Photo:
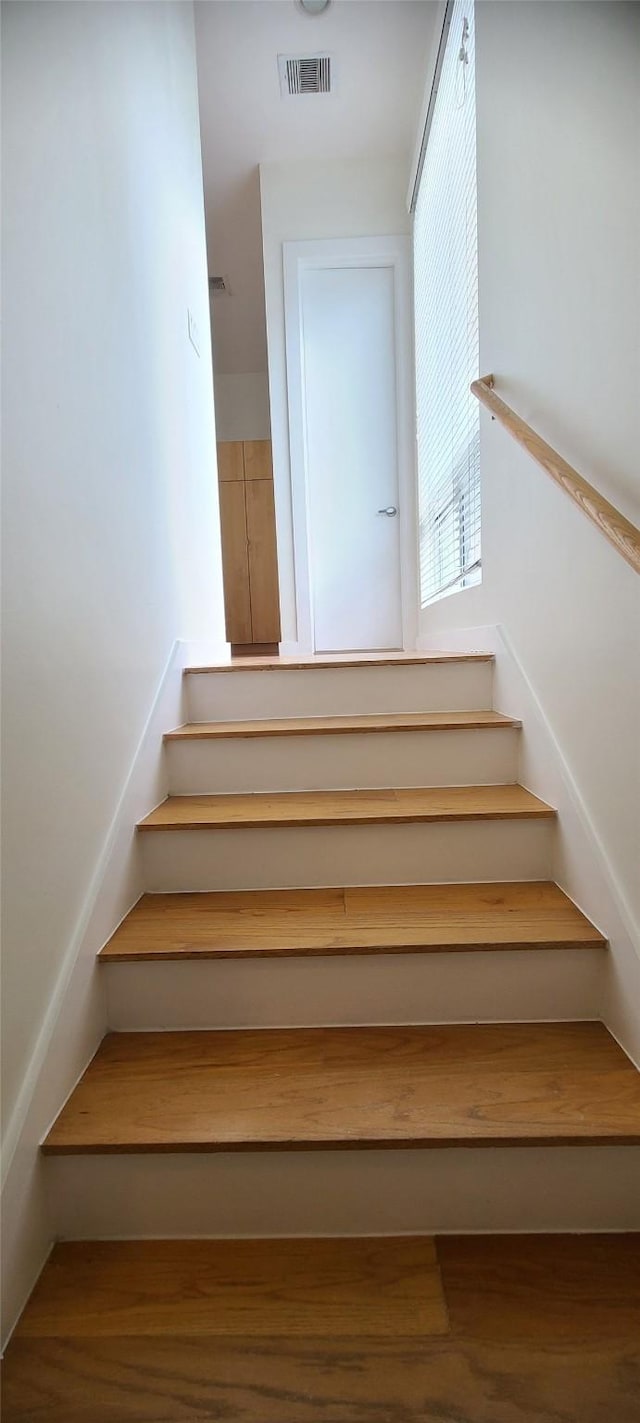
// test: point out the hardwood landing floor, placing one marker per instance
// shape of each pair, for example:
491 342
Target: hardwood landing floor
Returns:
475 1329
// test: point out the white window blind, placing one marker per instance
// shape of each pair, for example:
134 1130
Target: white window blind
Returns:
446 323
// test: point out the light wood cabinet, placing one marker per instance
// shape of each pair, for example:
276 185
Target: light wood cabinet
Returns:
231 462
235 562
249 555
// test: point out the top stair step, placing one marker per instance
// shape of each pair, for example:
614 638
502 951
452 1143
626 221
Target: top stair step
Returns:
347 685
391 919
340 659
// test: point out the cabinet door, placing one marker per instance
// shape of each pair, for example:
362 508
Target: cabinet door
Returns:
230 461
235 561
263 560
257 459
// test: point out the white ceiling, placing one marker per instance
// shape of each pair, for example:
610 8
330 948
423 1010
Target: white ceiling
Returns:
380 49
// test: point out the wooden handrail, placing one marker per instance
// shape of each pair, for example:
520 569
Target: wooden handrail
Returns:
620 531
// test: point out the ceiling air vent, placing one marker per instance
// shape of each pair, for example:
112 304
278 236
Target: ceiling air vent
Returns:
218 286
304 74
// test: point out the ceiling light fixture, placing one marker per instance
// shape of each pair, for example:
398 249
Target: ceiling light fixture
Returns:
312 7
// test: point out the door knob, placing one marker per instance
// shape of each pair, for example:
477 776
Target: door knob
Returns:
390 511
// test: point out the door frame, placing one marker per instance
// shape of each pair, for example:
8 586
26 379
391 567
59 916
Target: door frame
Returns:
301 257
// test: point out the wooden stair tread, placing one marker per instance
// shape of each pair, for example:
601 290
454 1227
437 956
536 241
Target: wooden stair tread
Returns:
352 807
328 725
462 1085
394 918
340 659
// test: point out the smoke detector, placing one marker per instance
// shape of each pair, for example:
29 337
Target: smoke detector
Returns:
305 74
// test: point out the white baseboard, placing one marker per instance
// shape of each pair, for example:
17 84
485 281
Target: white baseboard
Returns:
581 865
77 1017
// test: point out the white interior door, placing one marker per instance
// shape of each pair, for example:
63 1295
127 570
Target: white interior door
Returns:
349 416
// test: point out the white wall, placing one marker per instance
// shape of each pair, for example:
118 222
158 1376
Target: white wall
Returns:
314 200
110 504
242 406
559 236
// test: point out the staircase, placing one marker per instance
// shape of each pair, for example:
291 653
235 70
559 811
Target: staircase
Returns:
350 944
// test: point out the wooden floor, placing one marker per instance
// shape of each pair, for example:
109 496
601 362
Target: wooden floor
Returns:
508 1084
520 1329
284 809
395 918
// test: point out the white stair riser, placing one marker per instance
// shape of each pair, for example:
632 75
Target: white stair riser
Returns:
283 763
327 855
502 1189
509 985
339 691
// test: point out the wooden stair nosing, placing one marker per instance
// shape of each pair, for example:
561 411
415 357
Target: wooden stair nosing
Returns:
468 1085
293 809
394 919
345 725
338 660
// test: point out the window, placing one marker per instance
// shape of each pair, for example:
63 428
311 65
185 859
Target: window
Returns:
446 321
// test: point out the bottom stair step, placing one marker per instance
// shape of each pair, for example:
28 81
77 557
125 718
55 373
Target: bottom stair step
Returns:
335 1088
499 1329
350 920
239 1288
